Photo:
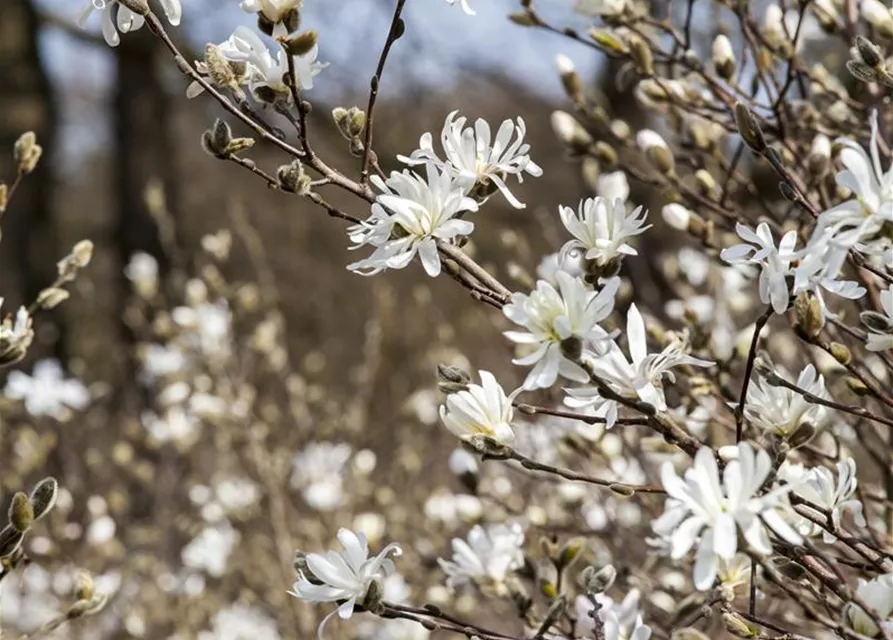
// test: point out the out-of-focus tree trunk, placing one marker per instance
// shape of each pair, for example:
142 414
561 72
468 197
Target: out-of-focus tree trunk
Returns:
28 252
144 155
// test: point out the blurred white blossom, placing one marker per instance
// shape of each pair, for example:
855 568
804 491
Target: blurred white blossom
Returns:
318 473
46 392
877 594
491 553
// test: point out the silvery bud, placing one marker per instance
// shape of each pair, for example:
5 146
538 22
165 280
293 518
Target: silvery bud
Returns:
26 152
570 80
877 14
773 27
749 128
293 179
451 379
217 139
43 497
51 297
868 52
656 150
819 159
598 581
723 57
10 540
676 215
350 122
738 626
570 132
302 43
21 513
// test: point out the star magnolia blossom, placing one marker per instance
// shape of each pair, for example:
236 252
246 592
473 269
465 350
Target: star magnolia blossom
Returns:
877 594
880 338
480 410
774 262
487 558
858 220
343 575
779 410
264 73
555 318
276 12
819 487
47 391
639 377
601 228
473 156
126 20
15 336
409 218
707 510
622 621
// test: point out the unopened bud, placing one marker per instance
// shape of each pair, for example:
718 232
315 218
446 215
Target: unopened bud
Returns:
676 215
878 15
4 196
302 43
869 52
738 626
656 150
216 140
706 184
841 353
622 490
21 513
84 587
51 297
293 179
608 41
749 128
642 56
451 379
524 19
723 57
43 497
606 154
570 80
26 152
598 581
569 553
570 132
804 432
787 567
875 321
809 315
857 386
819 160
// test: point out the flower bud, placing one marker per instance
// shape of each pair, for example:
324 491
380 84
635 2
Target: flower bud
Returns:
43 497
21 513
26 152
706 184
4 196
773 27
84 588
819 160
656 150
676 215
841 353
302 43
570 80
642 56
857 386
723 57
451 379
749 128
570 132
51 297
809 315
293 179
738 626
595 582
869 52
802 434
877 14
216 140
876 321
569 553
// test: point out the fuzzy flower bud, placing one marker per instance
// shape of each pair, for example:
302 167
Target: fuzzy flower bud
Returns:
27 152
723 57
819 159
656 150
570 132
676 215
570 80
877 14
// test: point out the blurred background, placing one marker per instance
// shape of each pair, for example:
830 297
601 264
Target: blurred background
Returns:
123 167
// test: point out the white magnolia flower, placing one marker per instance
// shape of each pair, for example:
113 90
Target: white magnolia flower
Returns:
779 410
877 594
46 391
862 218
640 377
601 228
266 75
142 271
410 217
775 263
482 409
707 510
344 575
210 550
612 186
878 339
318 473
605 8
473 156
820 265
819 487
279 13
464 4
15 335
487 558
207 328
554 319
118 18
622 620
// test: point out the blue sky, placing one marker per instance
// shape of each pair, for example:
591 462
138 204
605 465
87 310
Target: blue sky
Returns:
442 43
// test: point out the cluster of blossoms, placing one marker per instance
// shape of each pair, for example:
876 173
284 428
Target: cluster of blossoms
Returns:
414 213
